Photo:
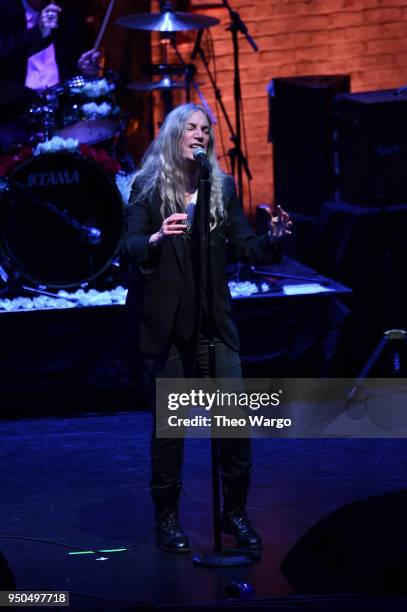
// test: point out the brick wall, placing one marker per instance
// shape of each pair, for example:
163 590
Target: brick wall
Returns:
365 38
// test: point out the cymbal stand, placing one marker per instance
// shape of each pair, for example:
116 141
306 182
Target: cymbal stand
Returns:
166 94
235 153
49 107
190 80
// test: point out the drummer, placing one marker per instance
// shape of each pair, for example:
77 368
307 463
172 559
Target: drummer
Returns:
40 44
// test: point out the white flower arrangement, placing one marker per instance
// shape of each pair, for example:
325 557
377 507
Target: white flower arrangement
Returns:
65 299
57 144
123 183
91 110
242 288
94 89
93 297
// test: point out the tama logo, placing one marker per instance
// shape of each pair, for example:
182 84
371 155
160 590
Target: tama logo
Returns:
61 177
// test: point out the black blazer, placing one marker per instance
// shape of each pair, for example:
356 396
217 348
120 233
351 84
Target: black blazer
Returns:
17 43
155 288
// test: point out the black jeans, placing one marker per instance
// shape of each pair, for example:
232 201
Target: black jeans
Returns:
167 453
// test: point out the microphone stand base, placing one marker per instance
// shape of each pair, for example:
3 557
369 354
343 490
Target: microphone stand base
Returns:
227 558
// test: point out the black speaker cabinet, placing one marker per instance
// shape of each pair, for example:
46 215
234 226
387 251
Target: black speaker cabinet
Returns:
301 130
7 582
372 147
360 547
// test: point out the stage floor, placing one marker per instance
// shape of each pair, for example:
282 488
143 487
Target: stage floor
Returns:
83 481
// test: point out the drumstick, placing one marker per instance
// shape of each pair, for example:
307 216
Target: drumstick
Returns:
104 25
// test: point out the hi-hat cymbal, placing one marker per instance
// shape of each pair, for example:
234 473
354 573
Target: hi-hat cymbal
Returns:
165 83
166 22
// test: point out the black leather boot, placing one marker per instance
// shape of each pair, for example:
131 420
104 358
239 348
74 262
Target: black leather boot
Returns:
170 536
234 518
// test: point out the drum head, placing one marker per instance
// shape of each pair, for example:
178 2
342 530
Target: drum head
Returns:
91 131
51 250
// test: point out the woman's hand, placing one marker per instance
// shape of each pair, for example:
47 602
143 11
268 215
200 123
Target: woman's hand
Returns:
280 222
175 225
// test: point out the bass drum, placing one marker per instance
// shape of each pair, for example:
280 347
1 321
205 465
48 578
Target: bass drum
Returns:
60 250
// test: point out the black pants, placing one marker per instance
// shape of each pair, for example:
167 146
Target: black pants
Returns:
167 453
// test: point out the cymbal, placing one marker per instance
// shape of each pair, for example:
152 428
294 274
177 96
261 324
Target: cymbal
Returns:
165 83
166 22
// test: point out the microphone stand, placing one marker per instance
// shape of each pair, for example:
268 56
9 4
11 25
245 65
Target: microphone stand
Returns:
218 557
235 153
237 25
92 235
190 80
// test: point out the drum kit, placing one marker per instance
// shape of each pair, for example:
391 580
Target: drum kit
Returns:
77 108
61 215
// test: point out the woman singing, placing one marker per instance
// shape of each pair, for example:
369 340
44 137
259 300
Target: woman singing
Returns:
167 301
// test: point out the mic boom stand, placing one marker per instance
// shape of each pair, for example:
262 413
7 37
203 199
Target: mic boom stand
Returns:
219 557
237 25
235 152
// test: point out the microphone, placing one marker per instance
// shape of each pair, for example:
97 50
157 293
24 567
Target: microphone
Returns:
200 156
93 235
197 44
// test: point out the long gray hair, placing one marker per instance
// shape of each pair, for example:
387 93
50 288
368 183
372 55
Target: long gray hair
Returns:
163 166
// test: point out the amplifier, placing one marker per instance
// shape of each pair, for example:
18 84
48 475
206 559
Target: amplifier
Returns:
371 140
301 131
